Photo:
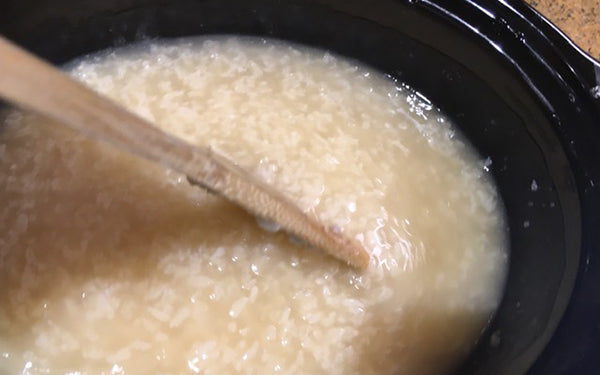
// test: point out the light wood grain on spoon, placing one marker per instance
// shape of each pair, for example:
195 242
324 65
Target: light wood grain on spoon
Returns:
36 85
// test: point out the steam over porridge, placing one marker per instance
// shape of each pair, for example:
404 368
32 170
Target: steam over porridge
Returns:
112 265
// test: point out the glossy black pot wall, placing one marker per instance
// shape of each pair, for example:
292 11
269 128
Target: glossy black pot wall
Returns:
515 86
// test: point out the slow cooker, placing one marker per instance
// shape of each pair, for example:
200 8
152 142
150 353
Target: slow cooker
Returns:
524 95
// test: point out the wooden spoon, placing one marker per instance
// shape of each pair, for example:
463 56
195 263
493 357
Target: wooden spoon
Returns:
34 84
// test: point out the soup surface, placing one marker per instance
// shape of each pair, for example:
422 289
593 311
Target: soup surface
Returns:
113 265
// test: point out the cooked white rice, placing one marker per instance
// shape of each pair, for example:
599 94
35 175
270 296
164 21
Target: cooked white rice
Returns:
112 265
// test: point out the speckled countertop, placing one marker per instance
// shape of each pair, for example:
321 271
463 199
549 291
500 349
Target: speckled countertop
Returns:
579 19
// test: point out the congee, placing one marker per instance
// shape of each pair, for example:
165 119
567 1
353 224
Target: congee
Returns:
113 265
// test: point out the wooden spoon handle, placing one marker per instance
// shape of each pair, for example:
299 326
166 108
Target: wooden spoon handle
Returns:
33 84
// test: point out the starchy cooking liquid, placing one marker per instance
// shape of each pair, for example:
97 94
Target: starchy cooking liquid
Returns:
112 265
